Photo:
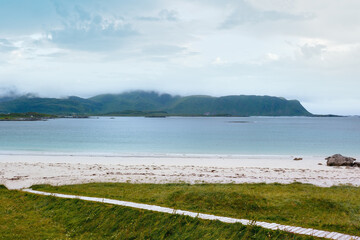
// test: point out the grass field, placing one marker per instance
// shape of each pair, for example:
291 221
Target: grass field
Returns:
333 209
25 116
29 216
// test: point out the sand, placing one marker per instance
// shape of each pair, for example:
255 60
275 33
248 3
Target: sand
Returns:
19 171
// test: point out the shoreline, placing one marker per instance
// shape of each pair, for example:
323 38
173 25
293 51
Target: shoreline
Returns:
163 155
23 171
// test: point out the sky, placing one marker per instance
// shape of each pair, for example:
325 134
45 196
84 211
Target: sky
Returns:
297 49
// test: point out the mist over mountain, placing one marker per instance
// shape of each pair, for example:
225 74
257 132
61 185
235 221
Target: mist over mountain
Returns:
141 101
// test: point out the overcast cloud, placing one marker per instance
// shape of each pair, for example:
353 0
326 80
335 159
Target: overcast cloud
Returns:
305 50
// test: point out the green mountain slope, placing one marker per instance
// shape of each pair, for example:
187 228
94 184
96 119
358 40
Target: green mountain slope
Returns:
70 105
140 101
239 106
137 100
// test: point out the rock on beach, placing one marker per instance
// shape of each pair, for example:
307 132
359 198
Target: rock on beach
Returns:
340 160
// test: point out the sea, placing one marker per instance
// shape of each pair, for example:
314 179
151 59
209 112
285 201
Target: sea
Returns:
315 136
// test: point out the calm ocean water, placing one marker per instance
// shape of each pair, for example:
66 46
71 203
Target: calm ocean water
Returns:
185 135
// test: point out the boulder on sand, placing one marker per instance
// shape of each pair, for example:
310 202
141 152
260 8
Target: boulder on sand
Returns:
340 160
356 164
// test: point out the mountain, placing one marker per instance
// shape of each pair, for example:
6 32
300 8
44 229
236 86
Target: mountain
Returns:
239 106
136 100
141 102
70 105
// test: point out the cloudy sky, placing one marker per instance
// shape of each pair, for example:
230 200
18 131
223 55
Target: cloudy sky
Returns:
298 49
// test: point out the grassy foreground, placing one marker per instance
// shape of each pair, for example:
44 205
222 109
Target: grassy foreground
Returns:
333 209
29 216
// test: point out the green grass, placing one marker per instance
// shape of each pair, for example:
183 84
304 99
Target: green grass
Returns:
333 209
28 115
29 216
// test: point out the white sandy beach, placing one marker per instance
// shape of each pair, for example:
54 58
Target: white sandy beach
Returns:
24 170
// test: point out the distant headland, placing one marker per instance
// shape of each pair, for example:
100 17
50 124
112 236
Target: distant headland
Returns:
153 104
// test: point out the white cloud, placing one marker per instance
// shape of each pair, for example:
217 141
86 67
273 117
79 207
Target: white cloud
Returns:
219 61
162 15
244 12
272 56
309 51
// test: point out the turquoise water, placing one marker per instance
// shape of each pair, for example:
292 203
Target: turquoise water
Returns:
185 135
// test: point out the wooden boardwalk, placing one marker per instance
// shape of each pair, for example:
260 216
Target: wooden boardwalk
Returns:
272 226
